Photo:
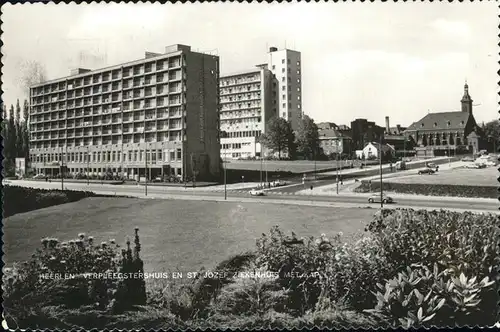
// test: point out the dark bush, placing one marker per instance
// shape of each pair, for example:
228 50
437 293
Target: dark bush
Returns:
21 199
430 189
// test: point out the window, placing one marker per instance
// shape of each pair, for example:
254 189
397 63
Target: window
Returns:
298 98
289 114
298 63
284 97
284 105
283 61
288 60
298 80
282 70
298 89
283 79
284 114
289 105
179 154
274 67
172 155
283 88
298 72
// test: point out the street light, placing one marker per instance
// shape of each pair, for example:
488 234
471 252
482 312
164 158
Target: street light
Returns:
88 166
225 175
381 184
62 169
145 166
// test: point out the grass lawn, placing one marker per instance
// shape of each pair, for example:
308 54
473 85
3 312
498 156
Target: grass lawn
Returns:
175 235
459 176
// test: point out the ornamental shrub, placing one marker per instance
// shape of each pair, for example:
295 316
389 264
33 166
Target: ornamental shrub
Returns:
62 274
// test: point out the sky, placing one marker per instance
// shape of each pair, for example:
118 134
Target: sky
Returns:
359 60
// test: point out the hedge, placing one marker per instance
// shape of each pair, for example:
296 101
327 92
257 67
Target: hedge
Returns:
21 199
430 189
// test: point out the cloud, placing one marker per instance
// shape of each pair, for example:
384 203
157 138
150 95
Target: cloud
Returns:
454 29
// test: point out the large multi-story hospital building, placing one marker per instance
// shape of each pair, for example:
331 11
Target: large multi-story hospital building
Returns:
249 99
159 114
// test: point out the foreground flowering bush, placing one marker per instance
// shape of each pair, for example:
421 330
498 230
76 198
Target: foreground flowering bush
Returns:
447 262
410 269
70 275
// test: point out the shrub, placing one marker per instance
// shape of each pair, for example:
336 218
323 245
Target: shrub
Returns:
464 242
61 274
430 189
33 199
419 297
463 246
315 270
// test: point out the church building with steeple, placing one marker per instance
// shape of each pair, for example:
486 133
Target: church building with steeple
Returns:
442 133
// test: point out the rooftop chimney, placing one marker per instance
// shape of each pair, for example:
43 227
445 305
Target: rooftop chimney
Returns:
272 49
387 128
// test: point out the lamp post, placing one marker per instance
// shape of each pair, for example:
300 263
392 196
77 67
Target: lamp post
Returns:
381 184
62 169
145 165
337 165
225 175
88 166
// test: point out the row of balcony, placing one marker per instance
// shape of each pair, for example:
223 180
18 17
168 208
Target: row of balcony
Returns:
88 124
81 143
100 101
172 102
159 115
106 133
97 79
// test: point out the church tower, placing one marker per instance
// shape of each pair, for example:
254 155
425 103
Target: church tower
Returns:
466 100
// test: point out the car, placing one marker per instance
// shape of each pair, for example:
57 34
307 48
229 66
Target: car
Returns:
375 198
257 192
39 176
474 166
426 171
468 159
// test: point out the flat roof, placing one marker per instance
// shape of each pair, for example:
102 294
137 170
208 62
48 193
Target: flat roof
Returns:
118 66
242 72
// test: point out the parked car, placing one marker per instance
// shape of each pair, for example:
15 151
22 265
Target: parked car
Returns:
431 165
475 166
278 183
257 192
426 171
375 198
468 159
39 176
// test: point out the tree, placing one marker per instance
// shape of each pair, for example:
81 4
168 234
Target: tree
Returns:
308 137
492 129
32 72
26 130
279 136
19 132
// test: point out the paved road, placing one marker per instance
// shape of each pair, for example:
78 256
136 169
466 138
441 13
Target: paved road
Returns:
272 197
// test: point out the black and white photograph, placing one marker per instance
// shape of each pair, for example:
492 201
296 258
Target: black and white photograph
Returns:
255 166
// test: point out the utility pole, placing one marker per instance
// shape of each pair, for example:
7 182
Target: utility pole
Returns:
381 184
261 164
88 166
62 169
225 175
145 164
337 165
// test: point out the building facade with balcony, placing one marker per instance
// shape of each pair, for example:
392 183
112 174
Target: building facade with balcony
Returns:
286 66
245 107
158 114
